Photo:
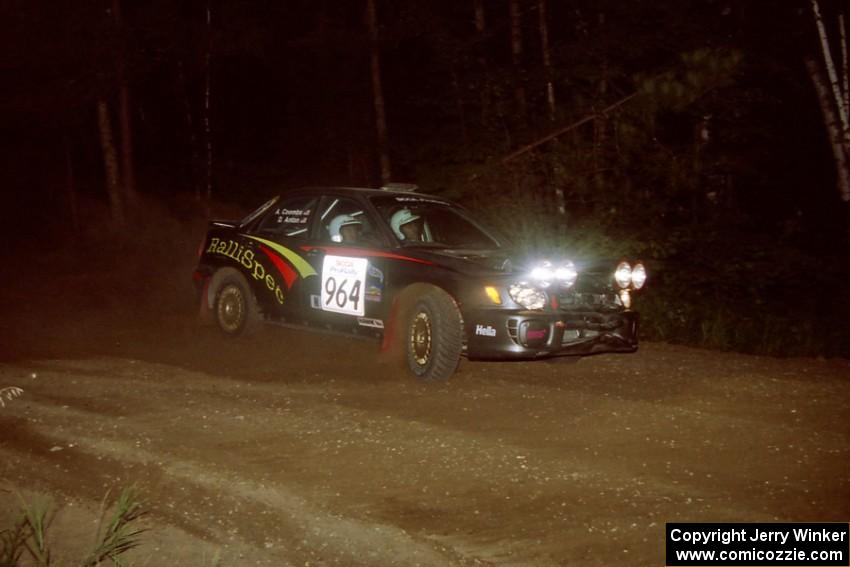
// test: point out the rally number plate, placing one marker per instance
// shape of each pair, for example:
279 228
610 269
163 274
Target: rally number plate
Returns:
343 282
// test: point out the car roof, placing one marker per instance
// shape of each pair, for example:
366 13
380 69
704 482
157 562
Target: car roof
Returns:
366 191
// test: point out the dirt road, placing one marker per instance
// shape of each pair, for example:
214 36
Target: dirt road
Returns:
302 449
294 449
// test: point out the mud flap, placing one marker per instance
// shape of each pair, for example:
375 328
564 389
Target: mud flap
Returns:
389 341
204 310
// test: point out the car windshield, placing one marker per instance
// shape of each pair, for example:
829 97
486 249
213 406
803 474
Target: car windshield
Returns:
257 212
423 221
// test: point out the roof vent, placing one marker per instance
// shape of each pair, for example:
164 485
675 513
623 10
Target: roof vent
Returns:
402 187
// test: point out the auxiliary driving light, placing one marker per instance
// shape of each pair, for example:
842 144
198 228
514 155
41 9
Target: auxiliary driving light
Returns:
638 275
566 274
623 275
543 274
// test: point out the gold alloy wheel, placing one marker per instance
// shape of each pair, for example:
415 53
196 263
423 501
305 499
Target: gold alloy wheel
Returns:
420 338
231 309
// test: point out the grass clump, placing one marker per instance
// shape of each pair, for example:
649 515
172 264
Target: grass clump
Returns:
9 393
117 533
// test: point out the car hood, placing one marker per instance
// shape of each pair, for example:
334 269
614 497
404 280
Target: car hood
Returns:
503 261
473 262
594 275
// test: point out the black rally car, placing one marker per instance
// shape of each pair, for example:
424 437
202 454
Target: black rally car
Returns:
414 270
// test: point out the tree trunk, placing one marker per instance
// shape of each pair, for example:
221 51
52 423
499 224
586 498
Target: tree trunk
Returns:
128 185
516 55
127 168
547 58
188 116
486 89
833 129
70 186
208 144
557 188
845 67
830 69
378 93
110 164
464 131
480 22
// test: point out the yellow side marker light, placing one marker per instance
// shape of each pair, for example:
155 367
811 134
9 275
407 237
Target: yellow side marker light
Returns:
493 294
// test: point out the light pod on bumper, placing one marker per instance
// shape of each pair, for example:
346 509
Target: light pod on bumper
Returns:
566 274
530 293
638 275
543 274
623 275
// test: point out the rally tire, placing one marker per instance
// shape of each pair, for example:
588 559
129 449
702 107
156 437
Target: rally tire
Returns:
234 306
433 336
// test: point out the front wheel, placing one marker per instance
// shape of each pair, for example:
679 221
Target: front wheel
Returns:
234 307
433 336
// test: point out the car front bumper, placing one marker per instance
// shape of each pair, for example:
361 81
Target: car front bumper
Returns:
500 335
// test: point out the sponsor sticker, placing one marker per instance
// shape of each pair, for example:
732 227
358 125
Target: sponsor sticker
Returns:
374 293
247 258
483 331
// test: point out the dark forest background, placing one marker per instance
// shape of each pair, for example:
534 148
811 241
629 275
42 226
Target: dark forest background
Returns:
689 134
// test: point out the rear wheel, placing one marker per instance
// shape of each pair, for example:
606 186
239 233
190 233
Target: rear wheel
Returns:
234 307
433 337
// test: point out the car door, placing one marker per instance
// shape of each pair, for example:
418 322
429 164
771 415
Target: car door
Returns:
281 271
347 256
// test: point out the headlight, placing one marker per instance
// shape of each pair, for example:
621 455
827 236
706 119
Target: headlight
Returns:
638 275
527 296
623 275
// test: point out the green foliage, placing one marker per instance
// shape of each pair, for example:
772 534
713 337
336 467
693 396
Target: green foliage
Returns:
13 543
698 73
668 178
733 291
115 535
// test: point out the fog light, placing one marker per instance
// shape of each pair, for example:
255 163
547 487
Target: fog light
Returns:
638 275
626 298
623 275
493 294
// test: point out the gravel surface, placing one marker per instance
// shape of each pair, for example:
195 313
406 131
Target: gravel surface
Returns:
294 448
302 449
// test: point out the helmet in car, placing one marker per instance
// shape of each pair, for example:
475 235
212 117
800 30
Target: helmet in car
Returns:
340 221
400 218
